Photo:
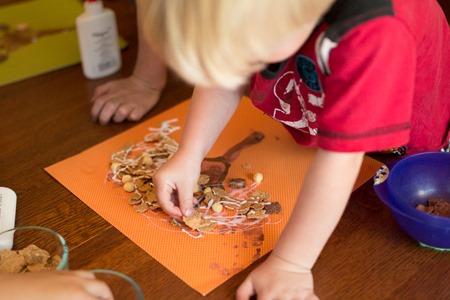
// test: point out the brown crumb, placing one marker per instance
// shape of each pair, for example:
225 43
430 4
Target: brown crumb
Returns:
436 206
237 183
273 208
28 259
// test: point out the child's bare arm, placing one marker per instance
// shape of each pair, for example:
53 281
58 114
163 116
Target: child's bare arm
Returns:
320 204
209 112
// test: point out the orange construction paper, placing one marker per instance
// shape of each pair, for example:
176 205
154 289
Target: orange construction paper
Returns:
203 263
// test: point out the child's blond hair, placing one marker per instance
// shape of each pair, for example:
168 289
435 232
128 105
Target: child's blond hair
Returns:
213 42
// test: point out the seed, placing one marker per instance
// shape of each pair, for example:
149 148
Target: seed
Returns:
217 207
258 177
126 178
129 187
147 160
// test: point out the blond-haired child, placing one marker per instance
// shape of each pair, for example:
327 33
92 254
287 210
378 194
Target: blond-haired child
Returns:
344 76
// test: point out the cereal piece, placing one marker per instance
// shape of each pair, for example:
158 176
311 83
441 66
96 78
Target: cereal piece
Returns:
260 196
139 183
217 207
207 225
135 199
424 208
258 177
11 262
55 261
256 214
203 179
244 208
257 206
193 221
155 206
150 196
129 187
207 190
237 183
141 173
153 138
34 255
36 268
142 208
219 192
145 187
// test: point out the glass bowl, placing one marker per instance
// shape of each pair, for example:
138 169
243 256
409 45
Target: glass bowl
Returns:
121 285
34 248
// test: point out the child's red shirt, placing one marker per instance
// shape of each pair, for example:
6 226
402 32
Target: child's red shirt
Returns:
375 74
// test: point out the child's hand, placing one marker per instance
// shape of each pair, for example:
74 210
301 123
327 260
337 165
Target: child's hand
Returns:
278 279
124 99
53 285
174 183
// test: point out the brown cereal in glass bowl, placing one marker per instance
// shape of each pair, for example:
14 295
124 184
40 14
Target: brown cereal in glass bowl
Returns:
28 259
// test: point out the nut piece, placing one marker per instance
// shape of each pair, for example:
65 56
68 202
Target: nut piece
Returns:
114 165
129 187
147 160
126 178
258 177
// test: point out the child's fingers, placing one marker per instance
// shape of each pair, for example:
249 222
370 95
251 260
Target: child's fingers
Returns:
170 208
122 112
245 290
84 274
99 290
164 194
107 111
185 199
136 114
96 108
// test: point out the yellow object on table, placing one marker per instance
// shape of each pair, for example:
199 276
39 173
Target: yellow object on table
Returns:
37 37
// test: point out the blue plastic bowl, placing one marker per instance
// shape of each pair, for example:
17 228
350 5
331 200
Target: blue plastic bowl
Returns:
413 180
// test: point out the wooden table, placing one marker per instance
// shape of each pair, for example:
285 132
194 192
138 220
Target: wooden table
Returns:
46 119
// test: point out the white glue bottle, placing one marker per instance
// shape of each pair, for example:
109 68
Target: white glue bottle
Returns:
8 202
98 40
